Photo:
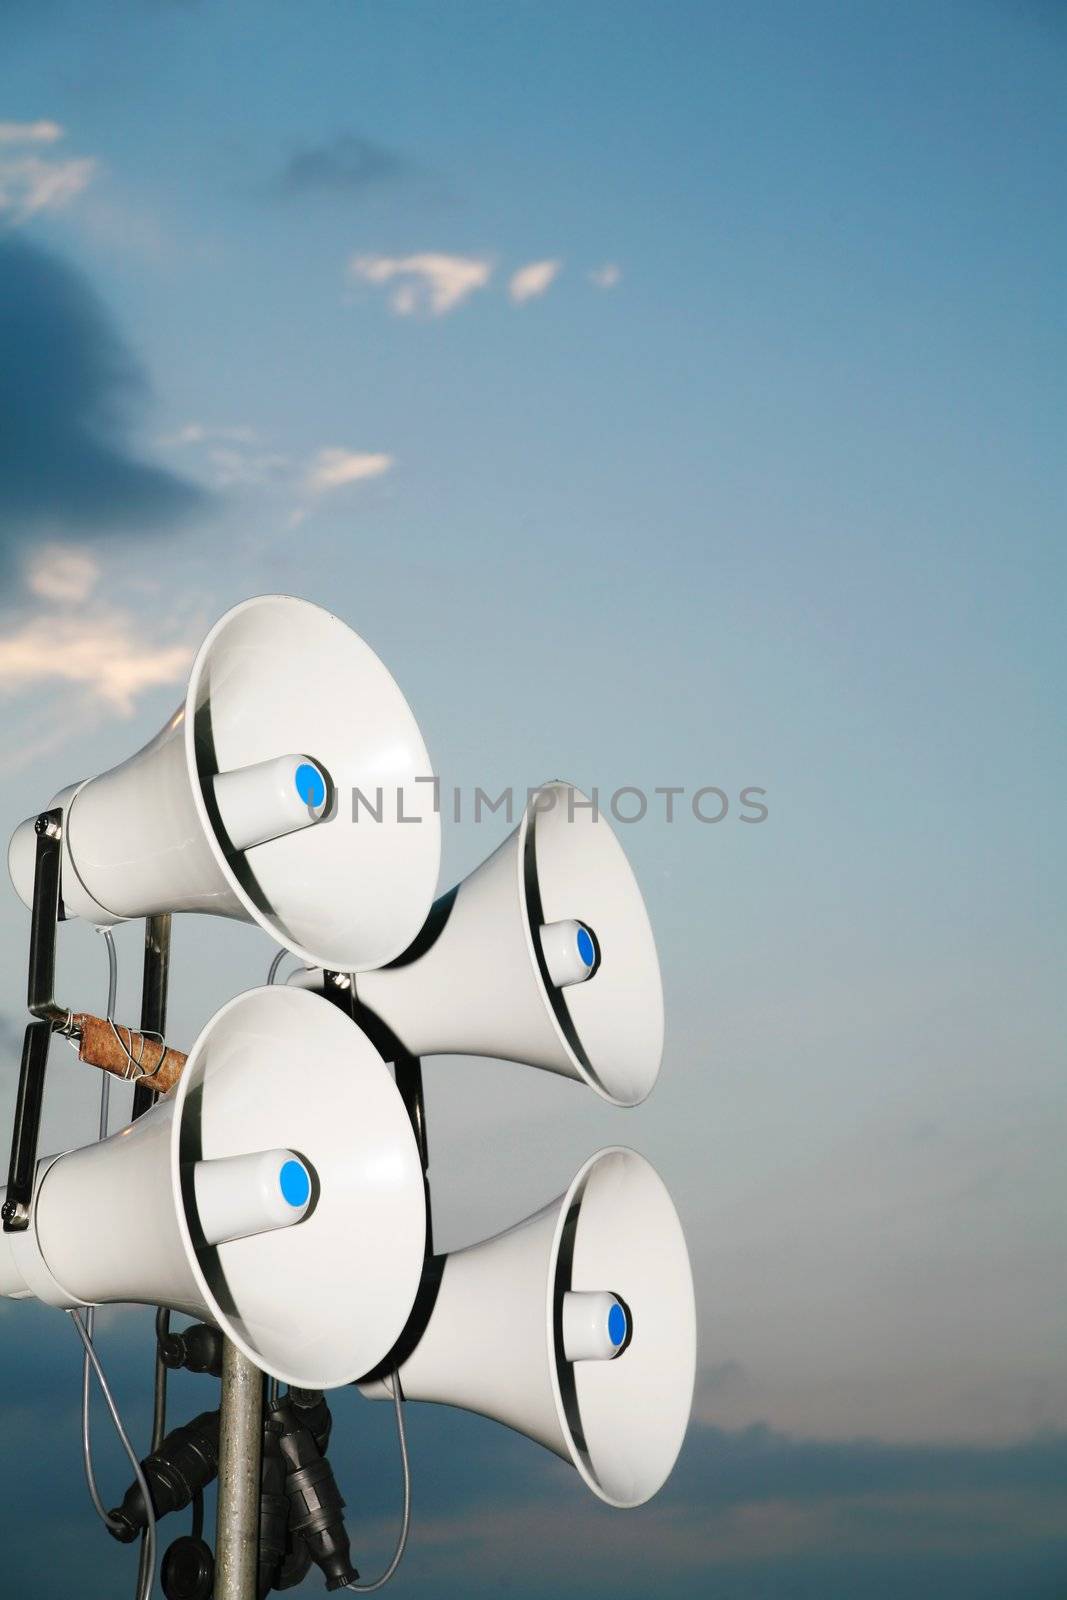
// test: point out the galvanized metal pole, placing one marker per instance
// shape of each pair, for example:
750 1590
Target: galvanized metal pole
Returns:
240 1449
154 1020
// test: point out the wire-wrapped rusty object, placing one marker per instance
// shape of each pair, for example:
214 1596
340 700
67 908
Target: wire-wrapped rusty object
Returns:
137 1057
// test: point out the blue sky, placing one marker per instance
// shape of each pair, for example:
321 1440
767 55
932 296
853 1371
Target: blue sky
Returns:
671 395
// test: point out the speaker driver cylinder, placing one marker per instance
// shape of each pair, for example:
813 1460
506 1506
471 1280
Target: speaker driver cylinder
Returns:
570 952
269 798
237 1196
595 1325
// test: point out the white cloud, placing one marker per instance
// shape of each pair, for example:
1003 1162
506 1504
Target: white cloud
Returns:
249 469
333 467
232 455
41 132
200 433
108 654
188 433
235 457
29 184
432 282
62 572
533 280
66 668
607 276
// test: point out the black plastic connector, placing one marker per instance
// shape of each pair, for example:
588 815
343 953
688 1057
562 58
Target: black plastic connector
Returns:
314 1413
197 1349
273 1509
296 1563
186 1461
188 1570
315 1504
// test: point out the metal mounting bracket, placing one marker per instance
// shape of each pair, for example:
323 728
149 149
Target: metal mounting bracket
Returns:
40 998
153 995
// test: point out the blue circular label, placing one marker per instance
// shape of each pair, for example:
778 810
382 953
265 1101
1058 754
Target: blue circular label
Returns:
310 784
586 947
295 1183
616 1324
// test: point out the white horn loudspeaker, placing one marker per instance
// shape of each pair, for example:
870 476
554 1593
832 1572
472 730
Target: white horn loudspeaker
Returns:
543 955
576 1327
243 804
277 1192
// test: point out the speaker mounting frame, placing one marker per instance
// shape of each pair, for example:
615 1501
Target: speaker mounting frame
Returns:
47 913
50 1017
154 986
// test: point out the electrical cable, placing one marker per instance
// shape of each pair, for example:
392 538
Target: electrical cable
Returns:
272 974
196 1530
159 1426
159 1412
144 1589
405 1465
405 1525
146 1566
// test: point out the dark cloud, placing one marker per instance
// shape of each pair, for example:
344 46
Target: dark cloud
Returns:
348 165
751 1515
723 1377
69 391
720 1468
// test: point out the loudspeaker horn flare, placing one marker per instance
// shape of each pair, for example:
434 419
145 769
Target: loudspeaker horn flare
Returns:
277 1192
577 1328
544 954
243 804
